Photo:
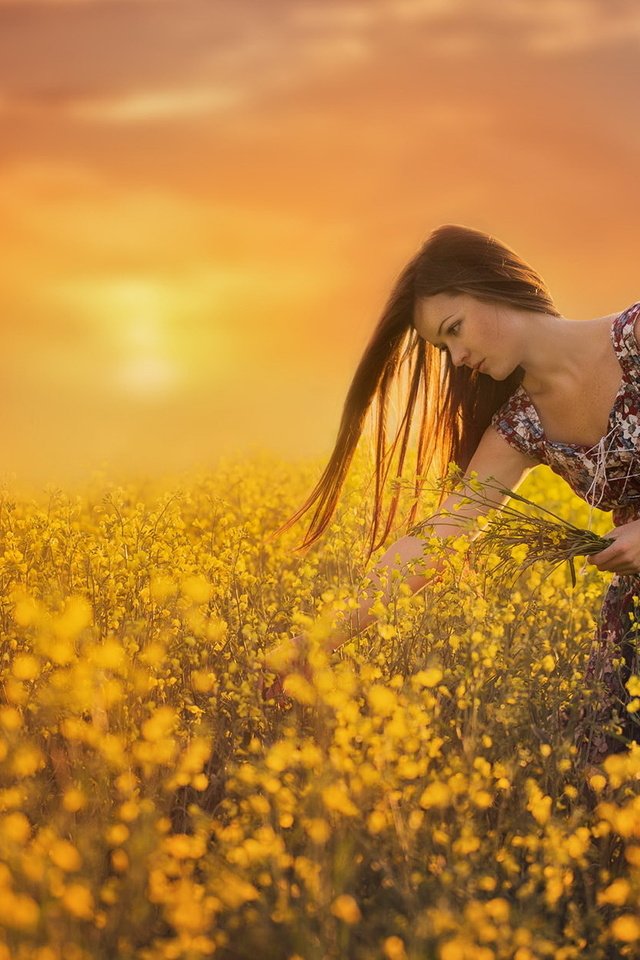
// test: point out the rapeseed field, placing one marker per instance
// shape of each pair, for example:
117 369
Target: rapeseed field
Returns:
418 795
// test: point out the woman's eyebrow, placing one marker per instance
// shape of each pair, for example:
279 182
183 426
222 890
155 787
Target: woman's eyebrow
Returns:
441 346
444 321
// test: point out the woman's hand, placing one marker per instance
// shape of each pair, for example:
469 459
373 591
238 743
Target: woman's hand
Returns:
623 556
287 657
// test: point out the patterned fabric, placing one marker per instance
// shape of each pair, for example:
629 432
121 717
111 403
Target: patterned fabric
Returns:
606 727
607 476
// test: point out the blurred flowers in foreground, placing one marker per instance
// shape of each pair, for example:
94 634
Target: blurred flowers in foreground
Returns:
417 794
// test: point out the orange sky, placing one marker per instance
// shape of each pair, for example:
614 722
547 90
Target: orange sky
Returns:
205 204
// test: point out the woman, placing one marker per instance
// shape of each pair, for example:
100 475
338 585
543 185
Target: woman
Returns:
506 383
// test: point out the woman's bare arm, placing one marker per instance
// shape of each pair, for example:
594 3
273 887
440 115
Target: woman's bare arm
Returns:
494 458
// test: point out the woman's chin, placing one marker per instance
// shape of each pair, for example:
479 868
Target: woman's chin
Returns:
496 374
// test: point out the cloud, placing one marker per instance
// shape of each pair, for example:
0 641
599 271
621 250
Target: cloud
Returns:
156 105
556 26
540 26
358 14
128 61
158 60
75 3
59 213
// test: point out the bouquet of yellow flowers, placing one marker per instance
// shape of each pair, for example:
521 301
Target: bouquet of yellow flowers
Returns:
519 537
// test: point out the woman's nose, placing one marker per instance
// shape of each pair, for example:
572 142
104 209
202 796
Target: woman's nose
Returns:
459 357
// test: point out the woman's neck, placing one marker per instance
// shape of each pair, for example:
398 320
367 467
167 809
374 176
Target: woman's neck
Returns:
559 353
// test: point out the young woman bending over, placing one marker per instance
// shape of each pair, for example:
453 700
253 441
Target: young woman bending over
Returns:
503 382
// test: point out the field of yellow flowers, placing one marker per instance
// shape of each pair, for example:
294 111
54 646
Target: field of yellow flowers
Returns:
417 797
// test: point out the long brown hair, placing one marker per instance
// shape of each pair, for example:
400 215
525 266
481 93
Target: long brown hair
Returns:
456 403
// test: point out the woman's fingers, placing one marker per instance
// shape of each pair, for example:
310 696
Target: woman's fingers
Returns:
275 691
623 554
270 691
622 569
614 559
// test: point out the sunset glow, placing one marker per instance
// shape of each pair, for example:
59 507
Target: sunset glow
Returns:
204 205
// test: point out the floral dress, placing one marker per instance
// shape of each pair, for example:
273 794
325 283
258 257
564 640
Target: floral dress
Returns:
606 476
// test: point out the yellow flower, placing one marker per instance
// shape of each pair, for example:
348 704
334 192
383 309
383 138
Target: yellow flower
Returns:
117 834
297 686
119 860
467 843
345 908
393 949
203 681
15 827
626 928
519 553
182 846
460 544
318 829
77 615
216 630
129 810
234 891
436 795
539 805
160 724
73 799
632 855
428 678
382 700
455 949
487 883
10 719
336 799
26 667
78 901
65 856
27 761
282 755
376 822
195 756
196 588
578 843
633 685
617 893
28 611
200 782
109 655
161 587
18 911
481 799
498 909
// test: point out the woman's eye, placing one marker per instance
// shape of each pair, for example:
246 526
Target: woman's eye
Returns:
455 327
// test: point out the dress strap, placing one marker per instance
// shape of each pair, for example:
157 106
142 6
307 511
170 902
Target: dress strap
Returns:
516 423
625 343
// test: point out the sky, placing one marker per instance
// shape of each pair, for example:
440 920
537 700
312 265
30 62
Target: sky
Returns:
204 204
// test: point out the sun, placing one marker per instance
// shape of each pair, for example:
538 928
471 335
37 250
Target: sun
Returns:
148 338
143 316
134 333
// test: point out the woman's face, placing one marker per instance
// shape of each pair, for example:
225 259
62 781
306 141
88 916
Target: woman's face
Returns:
475 333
